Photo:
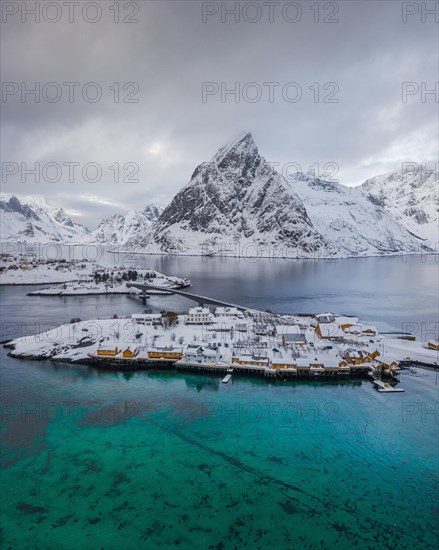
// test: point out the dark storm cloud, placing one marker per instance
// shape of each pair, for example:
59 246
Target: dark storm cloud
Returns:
368 54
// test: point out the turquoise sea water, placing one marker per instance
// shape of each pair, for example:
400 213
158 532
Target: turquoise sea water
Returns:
169 460
147 460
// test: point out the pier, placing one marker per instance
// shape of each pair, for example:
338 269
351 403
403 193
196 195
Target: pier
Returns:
120 363
384 387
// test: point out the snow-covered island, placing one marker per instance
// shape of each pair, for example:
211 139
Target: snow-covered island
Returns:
26 269
230 340
115 283
79 277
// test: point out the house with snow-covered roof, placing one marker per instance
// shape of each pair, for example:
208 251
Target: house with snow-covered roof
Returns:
325 317
228 312
147 319
329 331
199 316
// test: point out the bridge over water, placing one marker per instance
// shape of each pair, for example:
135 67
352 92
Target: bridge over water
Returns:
201 300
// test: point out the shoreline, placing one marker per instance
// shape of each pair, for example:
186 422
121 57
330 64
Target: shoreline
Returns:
219 254
163 367
61 294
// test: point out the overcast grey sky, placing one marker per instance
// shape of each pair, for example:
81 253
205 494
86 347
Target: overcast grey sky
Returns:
367 50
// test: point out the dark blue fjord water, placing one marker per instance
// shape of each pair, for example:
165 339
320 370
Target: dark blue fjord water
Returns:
169 460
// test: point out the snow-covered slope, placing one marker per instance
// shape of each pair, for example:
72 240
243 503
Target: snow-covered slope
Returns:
238 203
118 229
33 219
411 197
351 224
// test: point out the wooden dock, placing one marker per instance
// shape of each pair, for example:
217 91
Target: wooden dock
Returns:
384 387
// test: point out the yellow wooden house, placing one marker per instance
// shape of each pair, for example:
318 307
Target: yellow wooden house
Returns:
108 352
129 353
388 365
166 353
256 362
280 363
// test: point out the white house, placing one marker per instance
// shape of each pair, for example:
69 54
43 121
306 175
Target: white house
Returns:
346 320
326 318
228 312
199 355
260 329
148 319
199 316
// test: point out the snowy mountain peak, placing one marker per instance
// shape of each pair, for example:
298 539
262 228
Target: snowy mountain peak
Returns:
10 203
351 224
236 199
33 219
237 150
411 197
118 229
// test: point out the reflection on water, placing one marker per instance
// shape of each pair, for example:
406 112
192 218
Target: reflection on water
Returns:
389 292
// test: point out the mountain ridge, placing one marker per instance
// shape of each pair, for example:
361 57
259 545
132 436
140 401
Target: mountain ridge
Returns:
237 201
34 219
37 221
235 196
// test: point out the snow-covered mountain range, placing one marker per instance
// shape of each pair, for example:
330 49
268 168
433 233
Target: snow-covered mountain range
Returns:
351 224
34 220
238 204
118 229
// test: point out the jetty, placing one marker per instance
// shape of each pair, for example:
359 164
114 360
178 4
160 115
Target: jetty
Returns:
385 387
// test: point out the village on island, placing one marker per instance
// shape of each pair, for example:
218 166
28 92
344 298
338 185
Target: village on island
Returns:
227 339
80 277
230 341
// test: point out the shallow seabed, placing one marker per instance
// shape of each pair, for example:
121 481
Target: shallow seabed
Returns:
161 460
149 459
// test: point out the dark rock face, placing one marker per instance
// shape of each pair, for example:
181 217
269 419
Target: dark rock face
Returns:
417 214
152 212
237 196
14 205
